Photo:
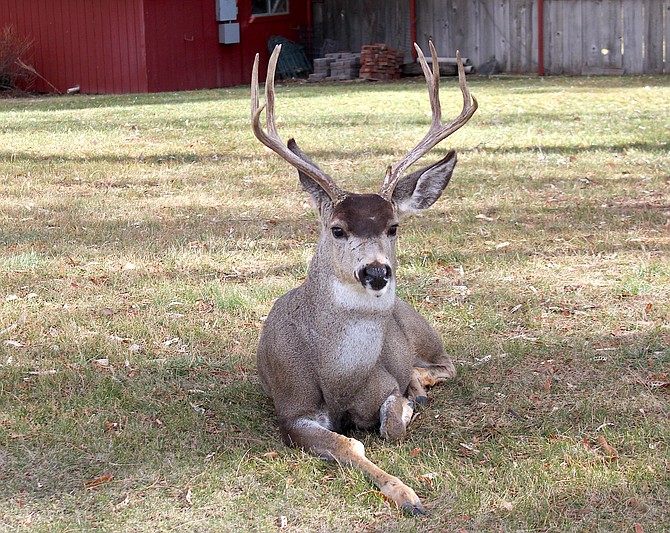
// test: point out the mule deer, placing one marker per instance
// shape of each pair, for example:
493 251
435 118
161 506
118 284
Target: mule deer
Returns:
342 349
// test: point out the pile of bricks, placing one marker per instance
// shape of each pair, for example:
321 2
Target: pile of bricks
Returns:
321 69
345 67
381 62
336 66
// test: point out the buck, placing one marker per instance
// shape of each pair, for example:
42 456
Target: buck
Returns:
342 350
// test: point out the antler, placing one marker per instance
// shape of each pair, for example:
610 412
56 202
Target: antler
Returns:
271 139
437 131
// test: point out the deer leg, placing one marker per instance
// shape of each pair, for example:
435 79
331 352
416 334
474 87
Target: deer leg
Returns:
313 436
416 390
394 416
431 375
428 375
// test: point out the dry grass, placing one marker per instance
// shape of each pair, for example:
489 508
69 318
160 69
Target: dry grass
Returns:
144 239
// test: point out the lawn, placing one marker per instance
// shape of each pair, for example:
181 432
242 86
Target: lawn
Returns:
144 238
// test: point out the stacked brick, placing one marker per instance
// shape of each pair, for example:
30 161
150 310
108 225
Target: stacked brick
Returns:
381 62
321 69
336 66
345 67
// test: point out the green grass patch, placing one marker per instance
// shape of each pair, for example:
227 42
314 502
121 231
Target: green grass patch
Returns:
144 239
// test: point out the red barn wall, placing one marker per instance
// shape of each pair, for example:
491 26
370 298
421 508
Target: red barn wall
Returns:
121 46
182 44
183 50
95 44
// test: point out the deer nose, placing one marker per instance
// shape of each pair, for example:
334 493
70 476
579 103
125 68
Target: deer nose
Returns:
375 275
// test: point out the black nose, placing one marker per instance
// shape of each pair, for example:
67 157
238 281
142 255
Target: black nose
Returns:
375 275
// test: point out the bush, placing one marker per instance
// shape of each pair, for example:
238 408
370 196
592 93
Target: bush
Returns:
14 73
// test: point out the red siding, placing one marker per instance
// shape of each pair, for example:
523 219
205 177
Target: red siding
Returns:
96 44
120 46
183 44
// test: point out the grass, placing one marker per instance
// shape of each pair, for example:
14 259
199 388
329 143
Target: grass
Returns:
143 239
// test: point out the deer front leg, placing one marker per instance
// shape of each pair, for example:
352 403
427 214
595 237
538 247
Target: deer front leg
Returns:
313 436
394 416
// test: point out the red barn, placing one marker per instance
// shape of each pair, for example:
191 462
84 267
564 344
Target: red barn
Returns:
127 46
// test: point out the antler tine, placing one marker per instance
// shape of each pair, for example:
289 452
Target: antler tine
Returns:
271 139
437 131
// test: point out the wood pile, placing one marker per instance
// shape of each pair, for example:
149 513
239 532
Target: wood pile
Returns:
336 66
381 62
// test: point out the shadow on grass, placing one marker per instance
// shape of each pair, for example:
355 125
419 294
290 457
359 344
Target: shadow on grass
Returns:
221 231
64 430
319 155
93 160
651 148
84 102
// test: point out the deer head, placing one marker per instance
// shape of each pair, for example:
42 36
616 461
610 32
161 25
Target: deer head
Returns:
359 230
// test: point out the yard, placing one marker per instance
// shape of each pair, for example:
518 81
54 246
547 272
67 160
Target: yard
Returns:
143 239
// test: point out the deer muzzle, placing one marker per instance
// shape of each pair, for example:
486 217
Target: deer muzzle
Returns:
374 276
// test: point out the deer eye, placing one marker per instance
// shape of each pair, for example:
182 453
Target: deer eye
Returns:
337 232
393 230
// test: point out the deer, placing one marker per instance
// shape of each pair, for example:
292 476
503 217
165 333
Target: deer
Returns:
342 350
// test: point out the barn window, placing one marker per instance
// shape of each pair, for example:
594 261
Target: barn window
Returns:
269 7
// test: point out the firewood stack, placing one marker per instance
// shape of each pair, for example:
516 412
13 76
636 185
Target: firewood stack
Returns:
381 62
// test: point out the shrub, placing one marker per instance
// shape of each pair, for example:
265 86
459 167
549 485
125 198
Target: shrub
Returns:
14 73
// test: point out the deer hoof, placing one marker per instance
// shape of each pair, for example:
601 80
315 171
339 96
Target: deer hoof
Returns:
403 496
421 400
415 509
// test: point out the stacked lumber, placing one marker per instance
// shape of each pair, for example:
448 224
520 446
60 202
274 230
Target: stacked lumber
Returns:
381 62
336 66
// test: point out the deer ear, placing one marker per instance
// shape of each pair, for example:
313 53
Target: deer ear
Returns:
318 194
421 189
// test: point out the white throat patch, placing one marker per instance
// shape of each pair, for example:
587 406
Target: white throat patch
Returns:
356 297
